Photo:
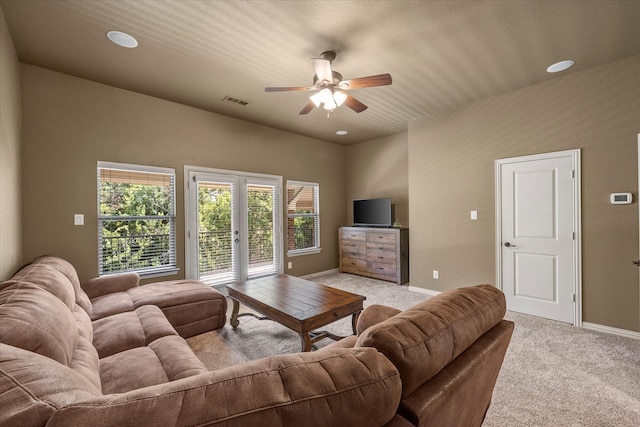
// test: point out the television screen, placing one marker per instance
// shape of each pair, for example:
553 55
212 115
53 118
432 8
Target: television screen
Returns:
372 212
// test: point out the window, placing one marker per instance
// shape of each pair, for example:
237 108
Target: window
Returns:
303 217
136 219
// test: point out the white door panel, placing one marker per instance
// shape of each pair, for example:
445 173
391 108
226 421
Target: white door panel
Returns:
536 234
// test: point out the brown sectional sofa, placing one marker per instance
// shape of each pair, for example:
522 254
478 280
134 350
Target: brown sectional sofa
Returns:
62 363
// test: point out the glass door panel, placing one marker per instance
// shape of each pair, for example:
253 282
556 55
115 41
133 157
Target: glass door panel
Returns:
216 248
261 230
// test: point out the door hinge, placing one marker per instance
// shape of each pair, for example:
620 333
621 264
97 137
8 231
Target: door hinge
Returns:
574 297
573 174
573 235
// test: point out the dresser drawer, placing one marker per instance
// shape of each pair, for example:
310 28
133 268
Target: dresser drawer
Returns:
354 249
381 253
353 235
353 265
382 268
382 238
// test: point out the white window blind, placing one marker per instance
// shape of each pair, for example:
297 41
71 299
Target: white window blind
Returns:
136 219
303 217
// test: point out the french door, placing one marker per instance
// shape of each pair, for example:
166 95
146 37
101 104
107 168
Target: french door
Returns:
233 229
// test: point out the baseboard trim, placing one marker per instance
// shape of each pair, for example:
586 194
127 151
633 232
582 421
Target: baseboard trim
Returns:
610 330
320 273
424 291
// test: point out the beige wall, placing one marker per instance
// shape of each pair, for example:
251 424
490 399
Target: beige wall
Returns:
379 168
71 123
451 172
10 117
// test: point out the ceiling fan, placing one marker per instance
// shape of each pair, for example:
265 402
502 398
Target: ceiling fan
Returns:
330 87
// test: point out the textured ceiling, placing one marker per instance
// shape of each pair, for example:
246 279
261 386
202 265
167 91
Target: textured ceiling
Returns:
441 54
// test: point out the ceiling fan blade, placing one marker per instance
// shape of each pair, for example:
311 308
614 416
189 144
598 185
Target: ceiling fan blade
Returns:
322 68
288 89
307 108
370 81
354 104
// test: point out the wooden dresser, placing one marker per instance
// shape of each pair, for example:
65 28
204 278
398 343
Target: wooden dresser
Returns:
381 253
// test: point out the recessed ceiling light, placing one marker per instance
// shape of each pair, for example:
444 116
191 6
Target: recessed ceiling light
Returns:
560 66
122 39
342 132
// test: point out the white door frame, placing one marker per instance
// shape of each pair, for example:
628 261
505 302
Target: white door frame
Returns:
190 213
577 241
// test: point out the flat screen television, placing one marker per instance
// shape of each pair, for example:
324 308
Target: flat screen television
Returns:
373 212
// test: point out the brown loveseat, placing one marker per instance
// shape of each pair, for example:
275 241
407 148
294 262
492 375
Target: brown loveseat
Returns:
448 349
433 364
111 360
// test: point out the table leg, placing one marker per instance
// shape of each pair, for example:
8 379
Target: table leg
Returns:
306 341
234 322
354 321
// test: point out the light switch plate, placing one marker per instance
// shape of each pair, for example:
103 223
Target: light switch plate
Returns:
474 215
78 219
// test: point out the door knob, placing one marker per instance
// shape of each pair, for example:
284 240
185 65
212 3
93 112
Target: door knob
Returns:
509 245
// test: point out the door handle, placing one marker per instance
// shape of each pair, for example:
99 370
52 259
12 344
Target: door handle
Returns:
509 245
636 263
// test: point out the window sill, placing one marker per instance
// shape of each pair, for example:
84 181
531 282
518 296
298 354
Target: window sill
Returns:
149 274
304 252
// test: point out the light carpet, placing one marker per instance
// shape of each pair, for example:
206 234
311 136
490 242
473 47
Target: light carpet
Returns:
554 374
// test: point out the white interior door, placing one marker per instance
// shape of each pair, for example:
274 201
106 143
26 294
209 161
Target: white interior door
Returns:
538 232
233 228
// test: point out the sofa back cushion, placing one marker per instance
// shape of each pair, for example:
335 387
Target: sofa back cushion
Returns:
39 313
423 339
35 320
69 271
34 387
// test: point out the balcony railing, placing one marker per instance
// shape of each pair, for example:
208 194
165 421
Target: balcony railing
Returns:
124 253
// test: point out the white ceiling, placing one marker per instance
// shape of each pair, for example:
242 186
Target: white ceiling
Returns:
441 54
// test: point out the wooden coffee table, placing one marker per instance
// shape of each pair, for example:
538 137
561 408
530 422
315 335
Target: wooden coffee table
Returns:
300 305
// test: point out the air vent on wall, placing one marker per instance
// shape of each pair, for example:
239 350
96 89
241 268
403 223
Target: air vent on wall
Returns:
235 100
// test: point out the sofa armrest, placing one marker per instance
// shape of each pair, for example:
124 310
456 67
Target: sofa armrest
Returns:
104 285
342 387
373 315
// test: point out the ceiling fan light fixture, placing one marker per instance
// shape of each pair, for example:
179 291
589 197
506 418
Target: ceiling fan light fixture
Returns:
330 104
316 99
339 97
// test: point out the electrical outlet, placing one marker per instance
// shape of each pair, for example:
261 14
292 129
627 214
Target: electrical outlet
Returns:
435 274
290 265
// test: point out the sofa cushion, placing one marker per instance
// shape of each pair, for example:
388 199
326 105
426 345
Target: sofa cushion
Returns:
124 331
166 359
423 339
34 319
110 304
33 387
69 271
190 306
48 279
343 387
